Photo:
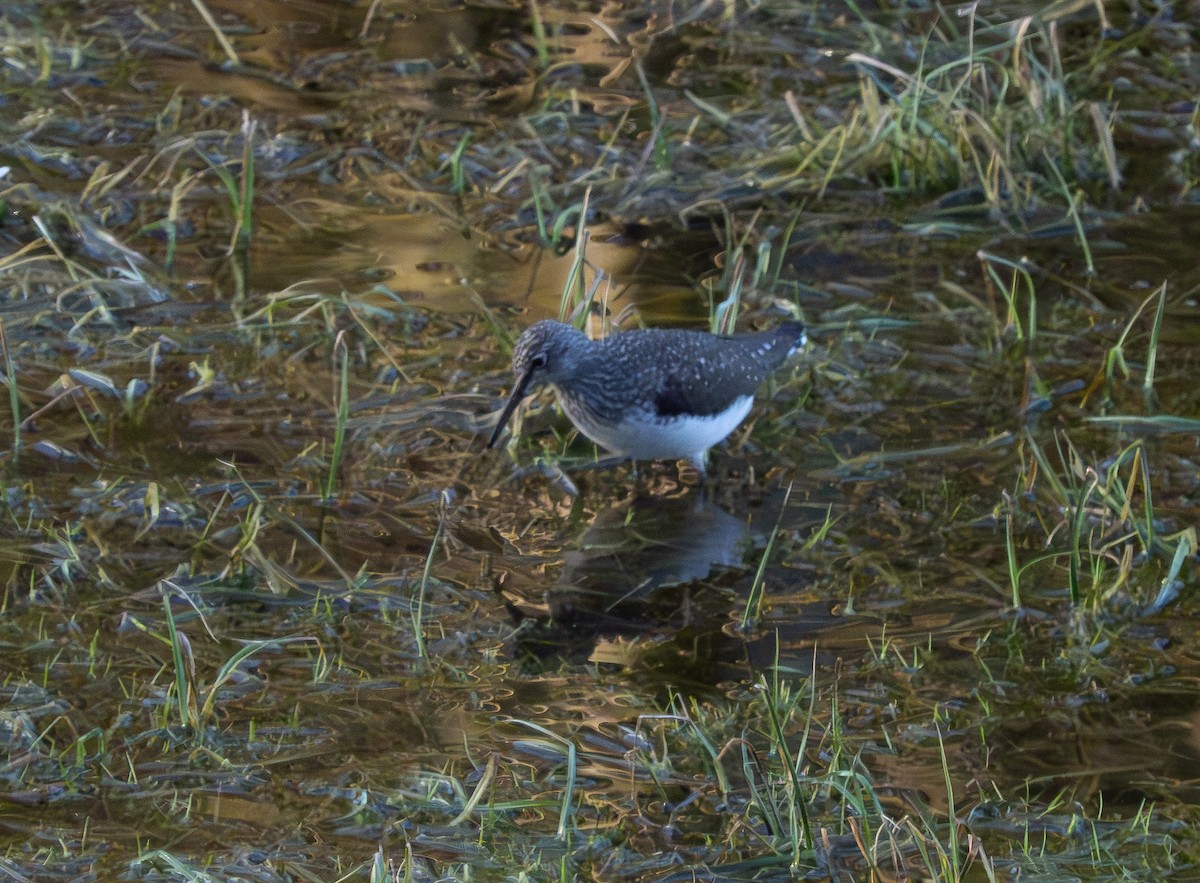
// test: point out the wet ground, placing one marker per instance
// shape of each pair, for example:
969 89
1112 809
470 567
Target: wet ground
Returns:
272 611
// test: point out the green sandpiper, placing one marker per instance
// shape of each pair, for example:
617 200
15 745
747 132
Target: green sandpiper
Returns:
651 394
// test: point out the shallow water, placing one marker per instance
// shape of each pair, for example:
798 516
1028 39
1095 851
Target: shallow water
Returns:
435 617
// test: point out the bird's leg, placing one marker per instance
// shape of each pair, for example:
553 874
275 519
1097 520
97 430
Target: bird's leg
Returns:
691 469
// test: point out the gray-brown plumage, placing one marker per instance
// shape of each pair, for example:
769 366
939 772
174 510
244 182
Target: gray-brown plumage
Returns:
651 394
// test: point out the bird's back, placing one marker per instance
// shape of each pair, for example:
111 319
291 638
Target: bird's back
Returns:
713 372
663 393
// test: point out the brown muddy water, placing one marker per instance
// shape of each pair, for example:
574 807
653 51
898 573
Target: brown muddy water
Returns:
272 611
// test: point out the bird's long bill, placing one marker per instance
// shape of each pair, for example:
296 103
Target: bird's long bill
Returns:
518 393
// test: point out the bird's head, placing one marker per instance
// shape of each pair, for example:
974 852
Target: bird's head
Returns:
546 352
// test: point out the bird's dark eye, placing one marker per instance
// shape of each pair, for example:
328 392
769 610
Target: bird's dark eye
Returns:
538 360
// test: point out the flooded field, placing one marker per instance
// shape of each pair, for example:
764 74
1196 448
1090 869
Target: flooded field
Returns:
273 611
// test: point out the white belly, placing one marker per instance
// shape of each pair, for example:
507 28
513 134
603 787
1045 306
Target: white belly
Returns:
646 437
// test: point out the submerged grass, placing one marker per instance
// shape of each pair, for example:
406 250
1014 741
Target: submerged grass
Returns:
14 398
342 410
366 723
1111 527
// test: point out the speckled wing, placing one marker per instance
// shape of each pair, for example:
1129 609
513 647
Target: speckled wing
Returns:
708 379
